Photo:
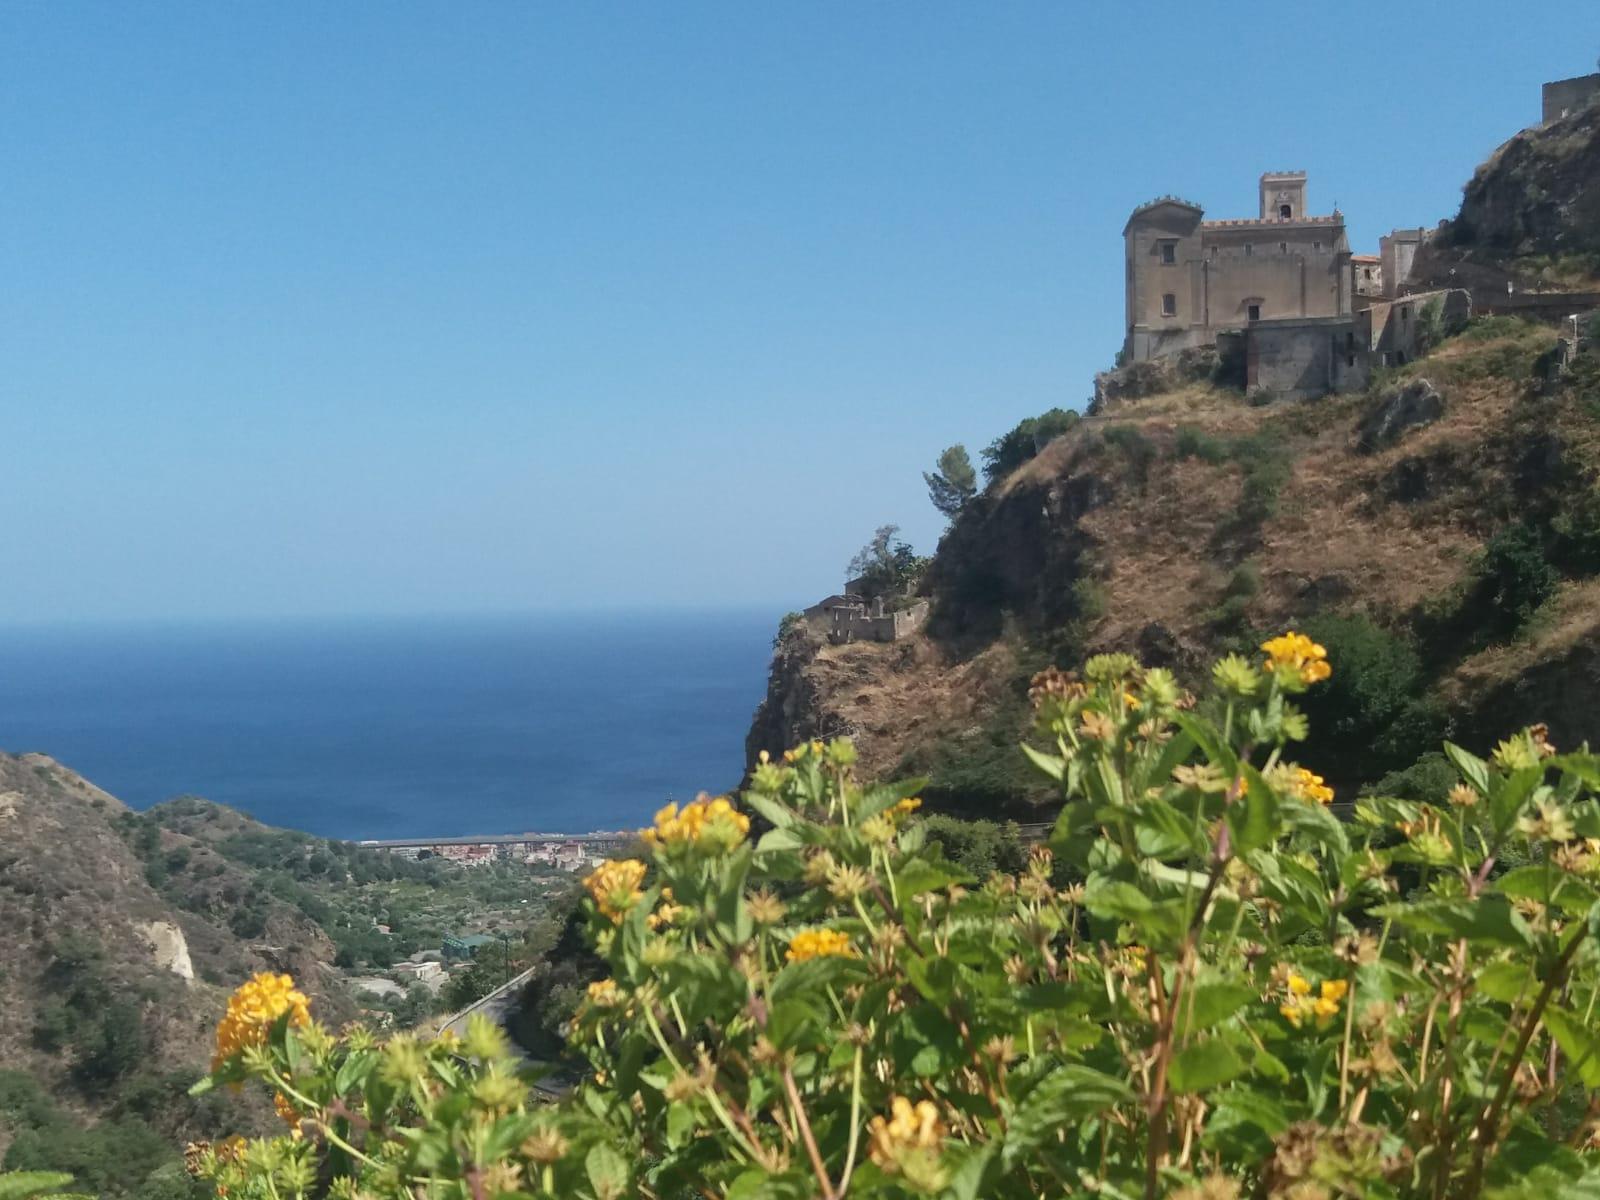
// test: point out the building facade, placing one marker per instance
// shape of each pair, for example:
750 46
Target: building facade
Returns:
1187 279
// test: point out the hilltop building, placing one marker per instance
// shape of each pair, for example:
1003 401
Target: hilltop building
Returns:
1189 279
1563 97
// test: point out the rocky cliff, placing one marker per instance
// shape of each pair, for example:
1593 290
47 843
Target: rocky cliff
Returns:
1442 530
1529 215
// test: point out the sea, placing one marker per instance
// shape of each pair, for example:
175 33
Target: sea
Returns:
398 728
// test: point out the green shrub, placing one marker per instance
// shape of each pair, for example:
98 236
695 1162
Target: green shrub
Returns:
1008 452
1196 443
978 847
1373 713
1137 450
1243 996
1428 780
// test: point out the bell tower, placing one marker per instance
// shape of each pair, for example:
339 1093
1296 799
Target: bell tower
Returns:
1283 196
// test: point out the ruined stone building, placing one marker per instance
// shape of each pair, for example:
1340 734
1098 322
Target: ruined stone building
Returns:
1563 97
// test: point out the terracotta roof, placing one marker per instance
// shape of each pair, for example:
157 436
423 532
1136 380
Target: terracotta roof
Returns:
1365 258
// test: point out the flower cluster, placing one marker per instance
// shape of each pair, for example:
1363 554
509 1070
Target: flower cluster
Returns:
819 943
909 1127
1302 784
714 823
253 1009
614 884
1319 1009
1296 657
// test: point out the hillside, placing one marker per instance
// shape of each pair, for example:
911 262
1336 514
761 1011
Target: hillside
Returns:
1530 214
109 993
1440 531
122 933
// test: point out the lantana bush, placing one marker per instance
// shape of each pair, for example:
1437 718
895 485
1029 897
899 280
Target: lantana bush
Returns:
1204 985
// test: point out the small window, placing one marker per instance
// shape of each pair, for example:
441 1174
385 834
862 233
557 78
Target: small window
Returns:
1249 249
1316 245
1366 273
1283 247
1169 305
1350 361
1213 253
1285 212
1349 341
1169 252
1405 312
1400 358
1255 312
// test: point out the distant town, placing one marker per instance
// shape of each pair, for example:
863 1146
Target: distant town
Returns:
564 852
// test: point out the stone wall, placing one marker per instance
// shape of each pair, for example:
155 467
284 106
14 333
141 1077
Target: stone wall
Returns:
1307 357
859 624
1564 97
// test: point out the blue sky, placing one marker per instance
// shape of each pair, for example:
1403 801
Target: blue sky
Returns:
378 308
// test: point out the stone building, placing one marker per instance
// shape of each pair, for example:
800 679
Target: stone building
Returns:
1189 278
1397 250
1366 276
1562 97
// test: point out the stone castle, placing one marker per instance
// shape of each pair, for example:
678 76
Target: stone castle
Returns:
1281 291
1283 281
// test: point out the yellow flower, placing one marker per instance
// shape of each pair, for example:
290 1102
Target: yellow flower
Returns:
1320 1009
287 1112
714 822
603 993
907 806
908 1127
1297 656
1307 785
614 884
253 1009
819 943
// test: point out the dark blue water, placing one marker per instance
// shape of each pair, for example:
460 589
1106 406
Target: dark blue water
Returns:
398 729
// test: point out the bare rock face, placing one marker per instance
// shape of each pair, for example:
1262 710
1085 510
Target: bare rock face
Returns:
170 948
1417 404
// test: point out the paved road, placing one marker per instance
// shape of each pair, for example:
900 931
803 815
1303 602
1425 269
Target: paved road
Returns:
497 1006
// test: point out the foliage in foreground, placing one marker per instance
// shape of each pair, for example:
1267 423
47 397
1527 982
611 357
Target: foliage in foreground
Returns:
1243 996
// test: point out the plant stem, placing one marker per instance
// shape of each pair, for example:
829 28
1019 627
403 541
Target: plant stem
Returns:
817 1165
1490 1120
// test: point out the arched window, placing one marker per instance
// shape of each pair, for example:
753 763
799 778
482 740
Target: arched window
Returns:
1285 212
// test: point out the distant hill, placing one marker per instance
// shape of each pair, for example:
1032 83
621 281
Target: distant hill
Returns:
122 933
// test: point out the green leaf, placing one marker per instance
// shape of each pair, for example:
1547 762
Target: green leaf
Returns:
1548 885
1115 899
1507 982
1510 794
1490 918
918 875
1577 1042
778 839
1066 1096
1469 766
779 815
607 1170
681 1123
1204 1065
1211 1004
1241 1106
1253 817
1051 764
354 1070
